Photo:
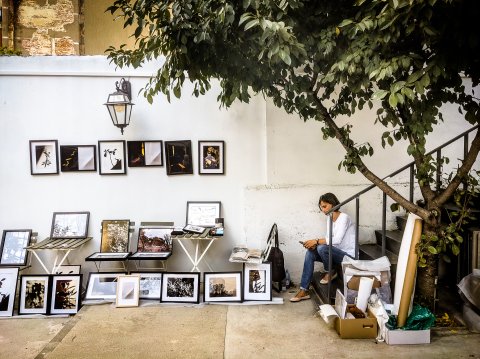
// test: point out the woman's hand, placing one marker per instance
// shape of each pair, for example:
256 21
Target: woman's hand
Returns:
310 244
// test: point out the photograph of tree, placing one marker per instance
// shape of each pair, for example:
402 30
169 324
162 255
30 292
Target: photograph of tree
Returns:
180 287
69 225
154 240
65 294
115 236
12 248
33 294
222 287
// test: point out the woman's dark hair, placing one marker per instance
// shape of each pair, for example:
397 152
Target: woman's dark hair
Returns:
329 198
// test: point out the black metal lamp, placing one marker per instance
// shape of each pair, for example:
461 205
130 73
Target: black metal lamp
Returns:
119 105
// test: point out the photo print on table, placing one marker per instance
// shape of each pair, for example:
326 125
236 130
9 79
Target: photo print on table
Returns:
43 157
8 287
179 157
145 153
34 291
211 157
257 283
222 287
203 213
112 157
154 240
12 248
181 287
115 235
78 158
69 225
66 291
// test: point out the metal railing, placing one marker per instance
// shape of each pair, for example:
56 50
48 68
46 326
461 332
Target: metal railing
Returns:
410 166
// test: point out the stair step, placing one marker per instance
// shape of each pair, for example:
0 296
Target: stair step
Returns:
393 240
322 289
374 251
401 222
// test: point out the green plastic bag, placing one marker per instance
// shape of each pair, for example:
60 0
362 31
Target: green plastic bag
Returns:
419 319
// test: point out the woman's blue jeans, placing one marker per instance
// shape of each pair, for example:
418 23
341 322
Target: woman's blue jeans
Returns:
319 254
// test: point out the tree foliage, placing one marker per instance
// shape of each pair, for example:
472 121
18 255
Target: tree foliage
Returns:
325 59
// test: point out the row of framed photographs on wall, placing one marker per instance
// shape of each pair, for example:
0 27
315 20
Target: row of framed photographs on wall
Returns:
39 294
254 284
115 156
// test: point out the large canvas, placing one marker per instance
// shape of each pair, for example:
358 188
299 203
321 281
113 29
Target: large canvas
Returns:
154 240
112 157
78 158
115 236
34 290
69 225
145 153
66 291
257 282
44 157
8 286
181 287
179 157
102 286
12 249
223 287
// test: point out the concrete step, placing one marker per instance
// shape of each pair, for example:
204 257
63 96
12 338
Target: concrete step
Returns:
322 289
393 240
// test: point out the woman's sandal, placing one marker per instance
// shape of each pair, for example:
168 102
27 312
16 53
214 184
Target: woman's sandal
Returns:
301 295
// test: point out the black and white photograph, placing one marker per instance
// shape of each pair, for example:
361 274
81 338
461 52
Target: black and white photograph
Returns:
181 287
68 269
222 287
65 297
150 284
44 157
211 157
115 235
12 248
8 287
145 153
179 157
203 213
257 282
34 290
102 286
78 158
128 289
69 225
112 157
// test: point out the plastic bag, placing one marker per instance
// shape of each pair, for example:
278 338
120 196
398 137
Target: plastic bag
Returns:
420 319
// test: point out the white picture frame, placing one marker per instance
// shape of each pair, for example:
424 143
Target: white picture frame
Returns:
257 282
102 286
33 297
8 288
65 294
128 290
112 157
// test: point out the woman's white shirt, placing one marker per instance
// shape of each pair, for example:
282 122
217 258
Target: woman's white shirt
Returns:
343 234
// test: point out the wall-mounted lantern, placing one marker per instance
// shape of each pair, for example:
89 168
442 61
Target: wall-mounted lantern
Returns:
119 105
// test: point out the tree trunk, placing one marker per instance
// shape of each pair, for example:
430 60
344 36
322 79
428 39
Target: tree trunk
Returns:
426 283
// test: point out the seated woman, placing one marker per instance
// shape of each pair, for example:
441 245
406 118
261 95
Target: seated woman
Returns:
343 244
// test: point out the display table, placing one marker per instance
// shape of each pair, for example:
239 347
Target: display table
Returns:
199 255
57 245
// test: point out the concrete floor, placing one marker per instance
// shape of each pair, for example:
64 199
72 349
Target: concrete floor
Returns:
289 330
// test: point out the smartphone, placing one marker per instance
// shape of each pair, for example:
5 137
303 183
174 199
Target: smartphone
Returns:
301 242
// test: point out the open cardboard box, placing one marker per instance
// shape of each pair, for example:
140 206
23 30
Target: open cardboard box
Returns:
399 336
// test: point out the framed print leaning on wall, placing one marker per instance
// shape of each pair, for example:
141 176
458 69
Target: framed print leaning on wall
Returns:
115 235
8 287
179 157
181 288
12 248
150 284
211 157
145 153
112 157
128 289
78 158
69 225
34 294
257 281
65 297
102 285
44 157
222 287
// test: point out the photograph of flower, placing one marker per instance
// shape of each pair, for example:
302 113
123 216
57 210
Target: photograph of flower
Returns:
257 282
211 157
44 157
179 157
78 158
69 225
115 235
145 153
112 157
33 294
12 248
223 287
180 288
66 291
8 287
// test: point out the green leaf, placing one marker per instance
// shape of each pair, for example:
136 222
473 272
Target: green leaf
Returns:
455 249
394 207
392 100
432 250
251 24
380 94
345 22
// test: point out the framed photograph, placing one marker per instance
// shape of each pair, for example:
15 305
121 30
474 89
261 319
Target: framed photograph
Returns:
34 294
203 213
112 157
8 287
257 281
102 286
145 153
69 225
78 158
12 248
155 240
128 289
211 157
222 287
150 284
65 297
44 157
115 235
180 288
108 256
68 269
179 157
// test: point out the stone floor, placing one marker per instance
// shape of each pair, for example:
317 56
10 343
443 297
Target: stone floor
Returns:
288 330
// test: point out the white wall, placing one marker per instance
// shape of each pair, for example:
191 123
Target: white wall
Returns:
276 165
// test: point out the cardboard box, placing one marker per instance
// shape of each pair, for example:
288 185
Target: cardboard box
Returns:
393 337
365 328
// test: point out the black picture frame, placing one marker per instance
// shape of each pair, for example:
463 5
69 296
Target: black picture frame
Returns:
180 287
150 284
203 213
8 288
12 248
112 157
211 157
145 153
34 296
43 157
179 157
65 294
222 287
78 158
69 225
